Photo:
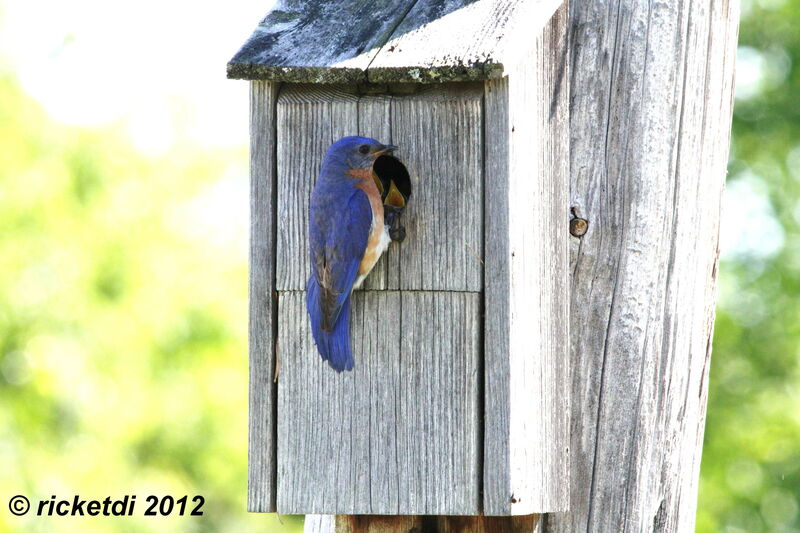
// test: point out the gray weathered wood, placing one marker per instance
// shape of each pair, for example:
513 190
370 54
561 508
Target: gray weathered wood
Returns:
316 41
428 40
320 523
651 93
440 134
444 40
526 461
261 480
363 524
400 433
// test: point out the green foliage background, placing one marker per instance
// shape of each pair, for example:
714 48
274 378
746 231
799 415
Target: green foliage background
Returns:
123 327
123 323
750 474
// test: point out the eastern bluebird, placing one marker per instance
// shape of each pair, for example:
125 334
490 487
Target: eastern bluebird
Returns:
347 235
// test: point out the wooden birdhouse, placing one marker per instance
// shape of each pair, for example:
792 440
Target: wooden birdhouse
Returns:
459 400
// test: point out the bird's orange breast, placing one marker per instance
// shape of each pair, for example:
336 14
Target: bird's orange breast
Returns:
375 244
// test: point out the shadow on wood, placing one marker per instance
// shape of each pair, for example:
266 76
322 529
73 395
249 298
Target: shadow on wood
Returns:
420 524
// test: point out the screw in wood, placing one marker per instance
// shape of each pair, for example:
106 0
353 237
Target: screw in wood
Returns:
578 227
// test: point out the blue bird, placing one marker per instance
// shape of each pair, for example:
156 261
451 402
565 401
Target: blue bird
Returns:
346 236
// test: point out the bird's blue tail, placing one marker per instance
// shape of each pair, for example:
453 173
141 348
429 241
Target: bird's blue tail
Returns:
333 346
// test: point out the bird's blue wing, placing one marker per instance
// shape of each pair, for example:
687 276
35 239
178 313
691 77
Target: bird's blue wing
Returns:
339 235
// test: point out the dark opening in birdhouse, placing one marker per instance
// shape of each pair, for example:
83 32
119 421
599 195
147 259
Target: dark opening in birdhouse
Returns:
394 183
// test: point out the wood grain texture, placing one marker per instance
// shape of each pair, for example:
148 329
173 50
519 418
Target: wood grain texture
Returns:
651 94
317 41
459 40
440 134
262 439
419 41
526 462
400 433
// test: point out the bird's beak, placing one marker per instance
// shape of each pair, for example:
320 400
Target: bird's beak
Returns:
386 148
394 197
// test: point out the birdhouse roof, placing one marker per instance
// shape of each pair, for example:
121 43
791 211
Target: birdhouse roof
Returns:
383 41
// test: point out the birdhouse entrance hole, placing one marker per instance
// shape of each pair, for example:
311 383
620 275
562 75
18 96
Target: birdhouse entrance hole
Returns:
394 182
389 168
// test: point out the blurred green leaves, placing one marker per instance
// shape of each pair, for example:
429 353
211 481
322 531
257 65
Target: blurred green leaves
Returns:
750 474
123 324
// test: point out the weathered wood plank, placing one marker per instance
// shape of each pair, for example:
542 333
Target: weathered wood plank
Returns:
325 427
459 40
314 41
398 434
651 94
439 444
310 118
526 463
497 331
262 438
440 134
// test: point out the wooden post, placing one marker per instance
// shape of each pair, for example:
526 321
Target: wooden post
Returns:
652 93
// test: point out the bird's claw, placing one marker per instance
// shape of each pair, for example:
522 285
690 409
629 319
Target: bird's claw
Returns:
397 232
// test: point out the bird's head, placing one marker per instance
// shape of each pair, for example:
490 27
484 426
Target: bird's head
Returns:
358 152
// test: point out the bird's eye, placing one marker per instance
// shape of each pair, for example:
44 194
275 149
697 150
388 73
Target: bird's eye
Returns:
364 149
